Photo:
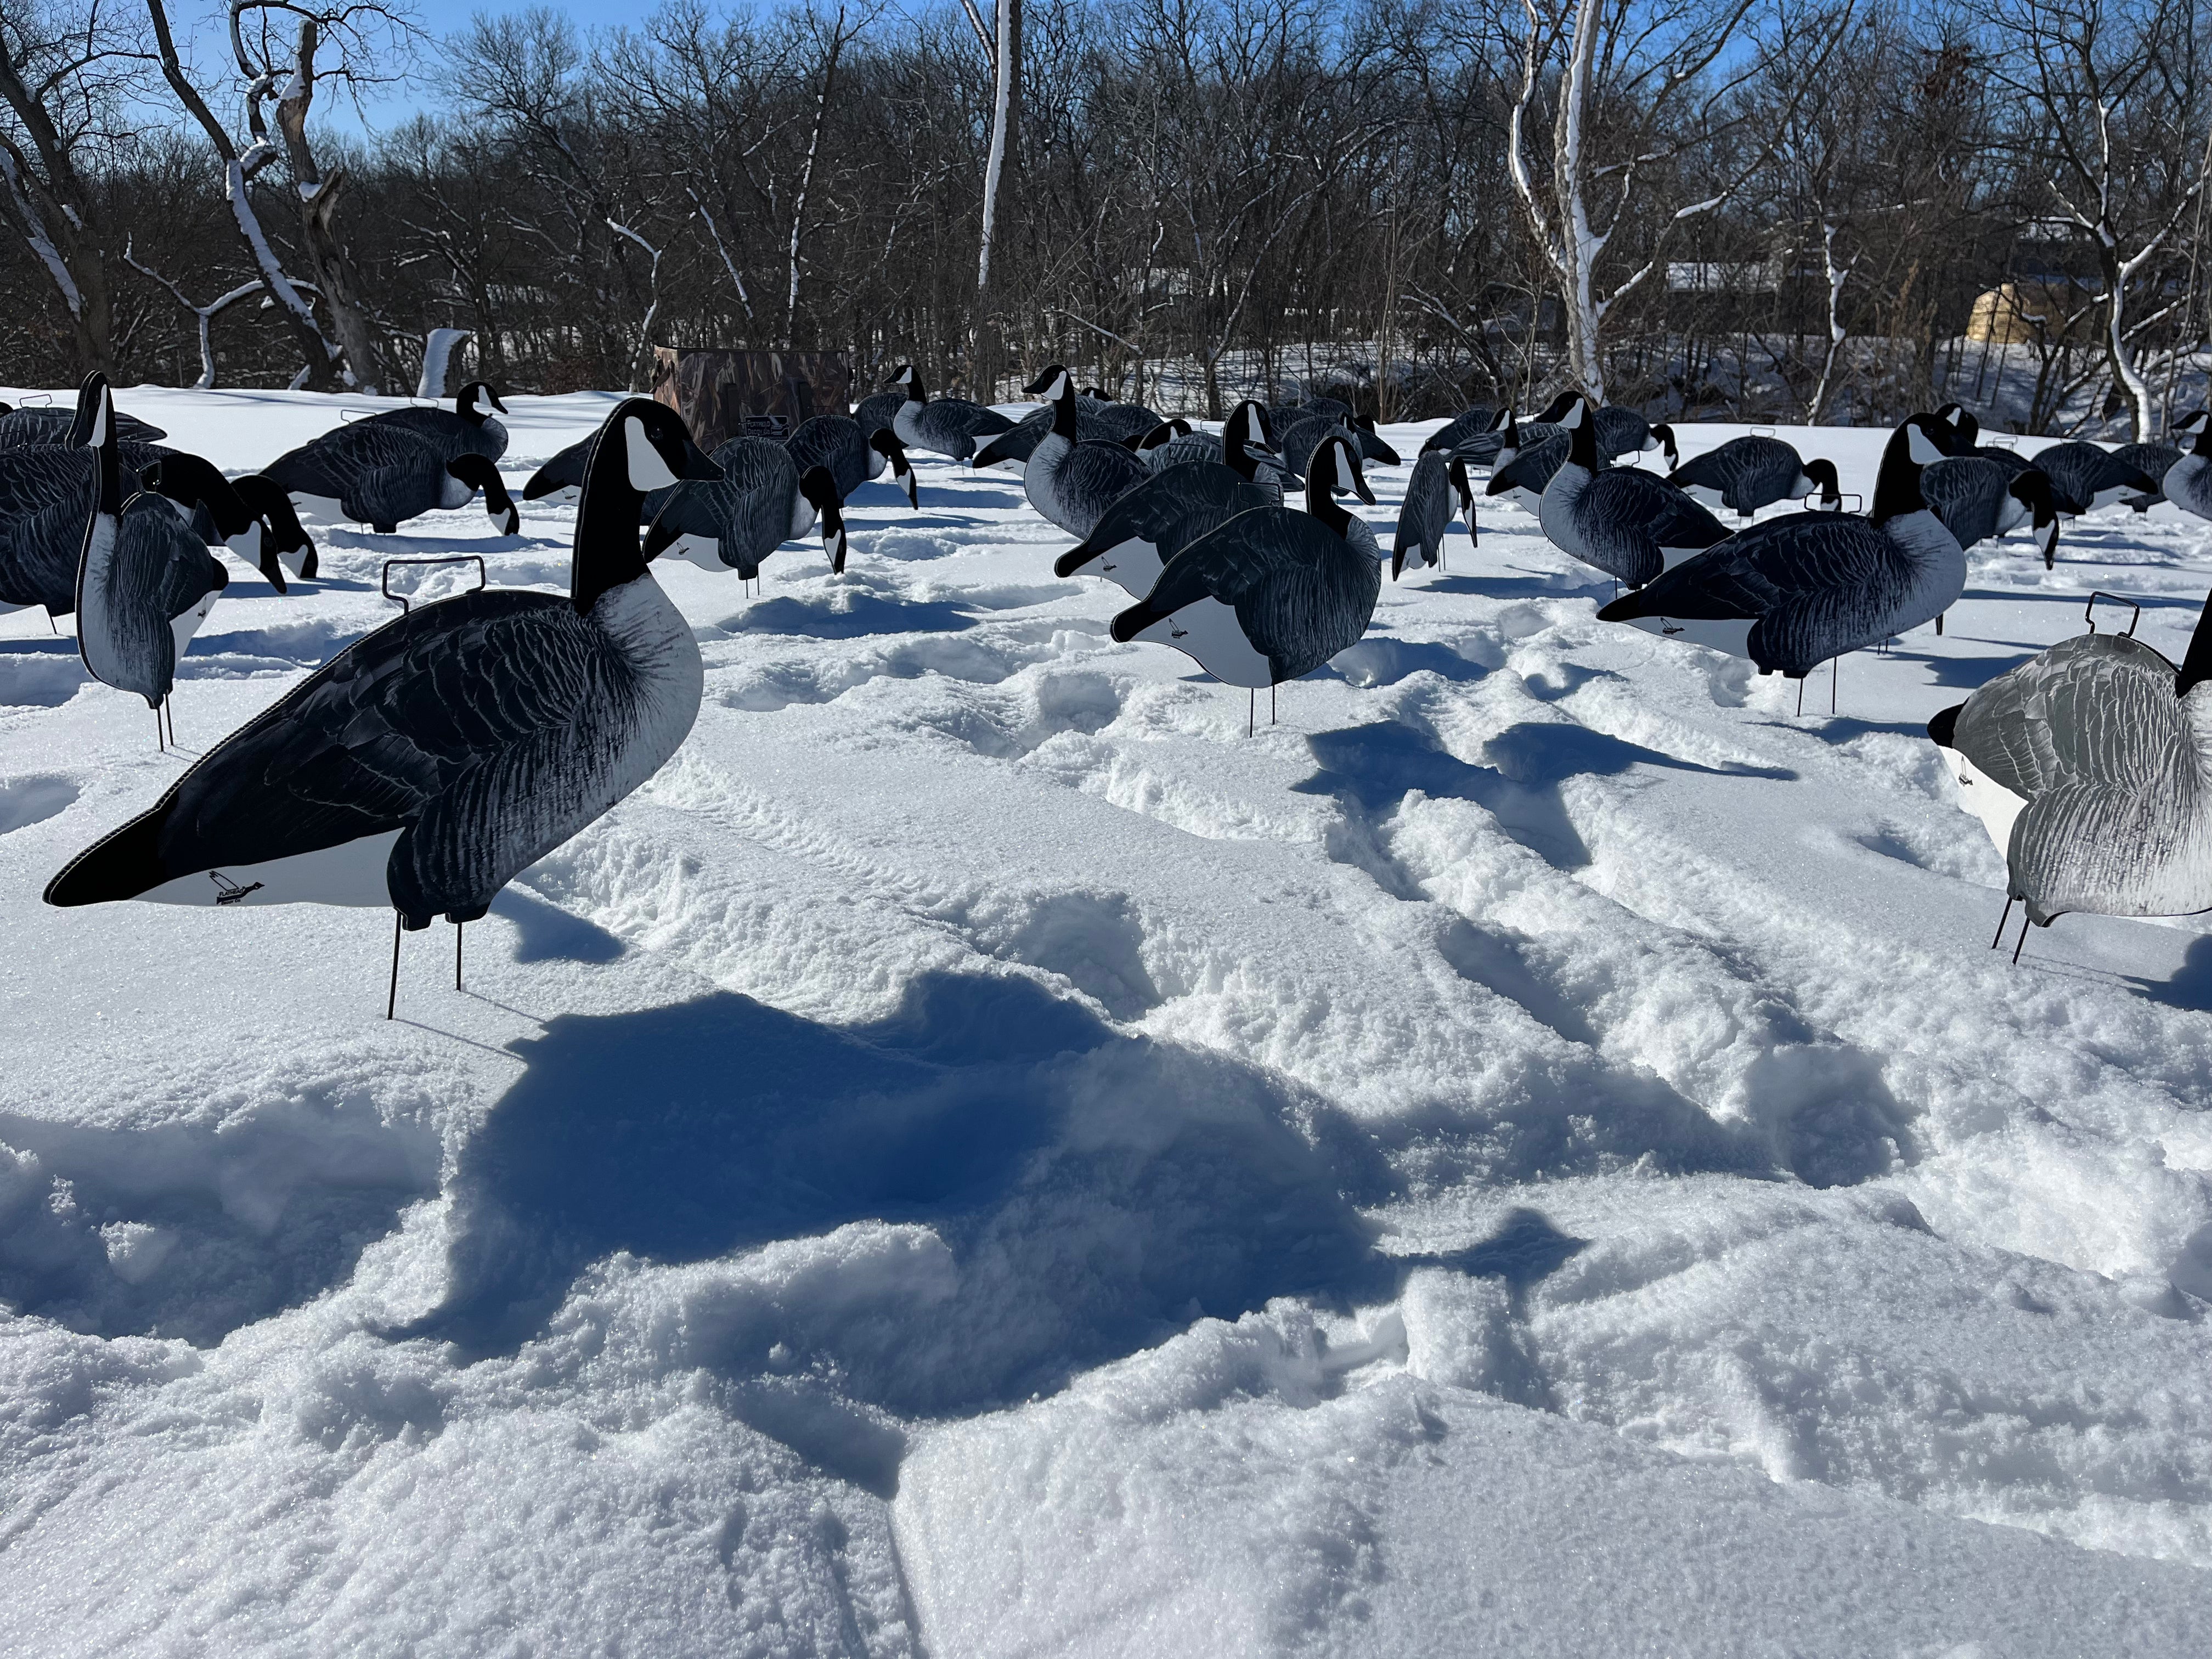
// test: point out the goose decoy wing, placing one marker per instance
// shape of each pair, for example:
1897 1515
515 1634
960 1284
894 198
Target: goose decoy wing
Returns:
44 494
563 471
398 756
2097 709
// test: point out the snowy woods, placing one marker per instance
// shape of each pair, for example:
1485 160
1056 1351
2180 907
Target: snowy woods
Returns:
1741 208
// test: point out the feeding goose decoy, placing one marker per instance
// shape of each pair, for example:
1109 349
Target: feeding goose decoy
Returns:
2091 765
469 428
1745 474
427 764
853 457
2154 461
1010 450
382 475
1631 525
951 427
1622 431
1147 446
1978 500
252 516
1508 434
2084 478
761 501
1069 482
144 583
1797 591
1273 593
1157 518
1425 513
1468 424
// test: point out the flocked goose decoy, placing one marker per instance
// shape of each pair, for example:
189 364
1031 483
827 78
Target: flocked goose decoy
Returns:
1072 483
383 475
761 501
469 428
1273 593
2091 764
144 584
1171 509
951 427
1795 592
427 764
1745 474
1631 525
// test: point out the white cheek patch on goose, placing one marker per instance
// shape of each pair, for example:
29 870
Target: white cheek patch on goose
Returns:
1916 444
1133 565
647 471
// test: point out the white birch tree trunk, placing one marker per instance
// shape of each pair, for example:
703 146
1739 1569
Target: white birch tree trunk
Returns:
1002 80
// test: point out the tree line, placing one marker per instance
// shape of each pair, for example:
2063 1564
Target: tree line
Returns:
1791 210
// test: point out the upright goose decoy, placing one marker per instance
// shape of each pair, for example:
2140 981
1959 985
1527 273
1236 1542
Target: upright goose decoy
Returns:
427 764
1631 525
1745 474
382 475
1978 500
1795 592
1156 519
1069 482
466 428
2091 765
946 426
1425 513
1467 424
1273 593
2084 478
144 584
761 501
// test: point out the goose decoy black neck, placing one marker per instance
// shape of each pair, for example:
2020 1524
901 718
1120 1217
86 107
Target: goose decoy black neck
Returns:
1579 418
88 394
645 447
1558 406
465 405
1897 487
1334 467
908 378
1057 389
2197 664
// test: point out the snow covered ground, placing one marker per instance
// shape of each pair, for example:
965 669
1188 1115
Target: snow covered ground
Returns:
1532 1154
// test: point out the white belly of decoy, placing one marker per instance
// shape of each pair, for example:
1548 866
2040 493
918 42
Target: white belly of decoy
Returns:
2106 498
183 628
1995 805
1131 566
1729 634
1704 495
802 518
705 552
1209 631
320 509
351 873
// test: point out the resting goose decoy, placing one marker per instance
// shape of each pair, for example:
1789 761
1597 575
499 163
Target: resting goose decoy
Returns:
2084 478
1631 525
1156 519
1745 474
1070 483
382 475
1273 593
1469 425
1978 501
1795 592
71 428
144 584
427 764
466 428
2091 765
1965 439
2154 461
945 426
1425 513
1123 424
761 501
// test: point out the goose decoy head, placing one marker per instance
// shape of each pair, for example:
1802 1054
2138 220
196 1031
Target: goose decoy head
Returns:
465 405
820 488
658 448
1558 406
1662 437
89 396
2196 421
886 443
1822 473
1944 728
905 376
1335 466
1456 470
1052 384
1966 430
2031 488
280 529
1143 443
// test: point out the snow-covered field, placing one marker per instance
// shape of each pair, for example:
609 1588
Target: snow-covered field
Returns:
1532 1154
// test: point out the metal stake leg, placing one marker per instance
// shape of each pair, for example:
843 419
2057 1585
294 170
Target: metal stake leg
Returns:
391 997
2006 917
2026 922
1800 696
1251 710
456 954
1835 669
1271 705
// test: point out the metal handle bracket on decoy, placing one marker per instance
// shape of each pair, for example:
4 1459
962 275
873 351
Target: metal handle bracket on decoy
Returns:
405 601
2089 611
1810 500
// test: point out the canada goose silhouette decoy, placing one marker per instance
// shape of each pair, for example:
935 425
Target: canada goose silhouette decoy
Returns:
383 475
951 427
1070 483
1158 518
469 428
761 501
1629 523
1425 513
427 764
1745 474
